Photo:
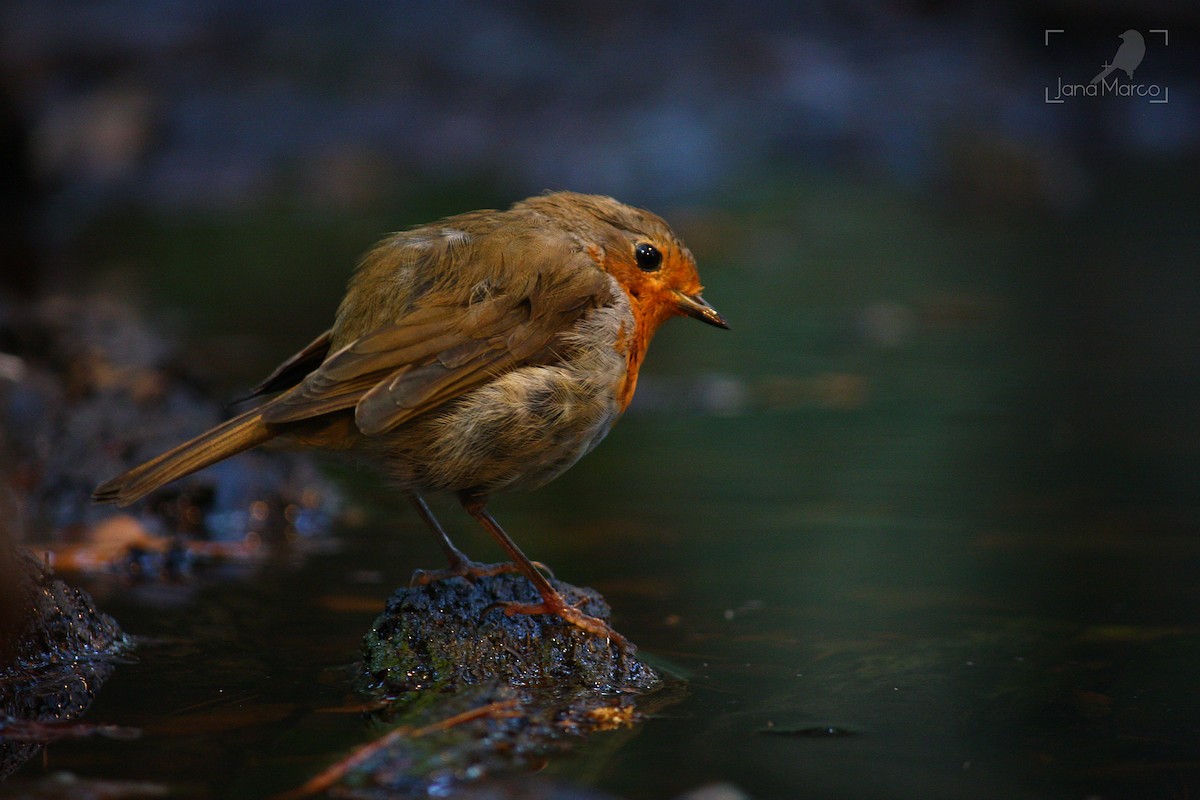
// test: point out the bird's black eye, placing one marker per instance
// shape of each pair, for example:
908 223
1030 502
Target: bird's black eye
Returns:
648 257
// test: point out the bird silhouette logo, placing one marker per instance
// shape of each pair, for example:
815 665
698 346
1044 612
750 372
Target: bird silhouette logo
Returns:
1129 56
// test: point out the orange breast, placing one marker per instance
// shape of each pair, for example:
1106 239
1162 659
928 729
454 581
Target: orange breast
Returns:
633 345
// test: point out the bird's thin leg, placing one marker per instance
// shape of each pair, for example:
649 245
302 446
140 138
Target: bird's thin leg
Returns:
460 565
552 600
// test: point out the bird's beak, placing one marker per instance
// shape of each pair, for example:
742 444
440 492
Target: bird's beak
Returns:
694 306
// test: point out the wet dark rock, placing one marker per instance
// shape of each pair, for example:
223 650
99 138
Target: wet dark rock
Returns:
448 634
56 650
476 696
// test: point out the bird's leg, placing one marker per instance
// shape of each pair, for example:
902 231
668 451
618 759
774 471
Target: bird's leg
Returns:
552 600
460 565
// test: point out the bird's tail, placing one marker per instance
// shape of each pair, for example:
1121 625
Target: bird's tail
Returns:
1104 73
227 439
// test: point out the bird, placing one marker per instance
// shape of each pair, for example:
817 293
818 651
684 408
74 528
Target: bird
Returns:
1129 55
482 353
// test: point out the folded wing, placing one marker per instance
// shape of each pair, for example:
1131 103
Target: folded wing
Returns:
437 352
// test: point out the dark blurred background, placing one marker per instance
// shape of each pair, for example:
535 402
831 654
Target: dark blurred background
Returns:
960 393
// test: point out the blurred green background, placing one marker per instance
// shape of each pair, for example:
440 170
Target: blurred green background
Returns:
937 487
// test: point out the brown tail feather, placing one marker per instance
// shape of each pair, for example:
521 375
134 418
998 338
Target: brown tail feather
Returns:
227 439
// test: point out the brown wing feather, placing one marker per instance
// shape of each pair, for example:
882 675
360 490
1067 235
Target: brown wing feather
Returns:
308 401
357 368
292 371
411 392
436 353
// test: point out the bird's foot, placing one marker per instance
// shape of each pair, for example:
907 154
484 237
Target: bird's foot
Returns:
557 605
471 570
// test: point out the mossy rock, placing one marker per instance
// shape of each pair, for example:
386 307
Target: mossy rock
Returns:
474 695
451 633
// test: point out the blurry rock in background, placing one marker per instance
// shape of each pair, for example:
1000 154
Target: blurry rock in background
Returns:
87 390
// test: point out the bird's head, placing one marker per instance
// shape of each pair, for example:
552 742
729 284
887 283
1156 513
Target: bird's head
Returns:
647 259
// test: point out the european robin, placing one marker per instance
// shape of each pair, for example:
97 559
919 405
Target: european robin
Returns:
484 352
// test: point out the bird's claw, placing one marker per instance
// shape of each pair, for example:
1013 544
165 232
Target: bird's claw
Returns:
560 608
471 570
